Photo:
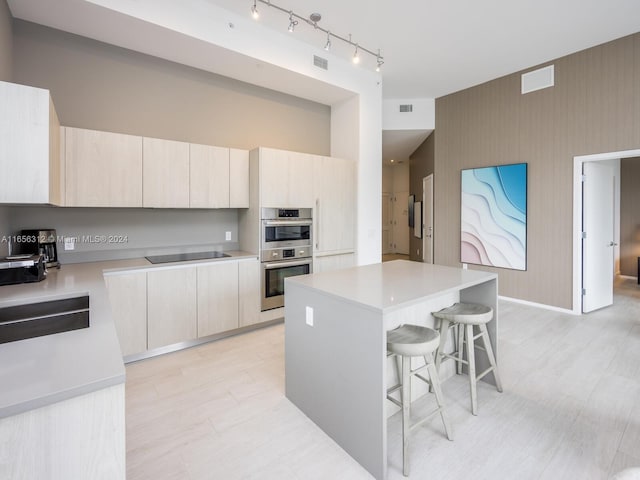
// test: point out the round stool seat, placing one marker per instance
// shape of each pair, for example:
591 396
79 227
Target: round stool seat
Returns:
466 313
412 340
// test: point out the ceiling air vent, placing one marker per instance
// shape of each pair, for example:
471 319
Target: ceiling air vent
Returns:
538 79
321 62
406 108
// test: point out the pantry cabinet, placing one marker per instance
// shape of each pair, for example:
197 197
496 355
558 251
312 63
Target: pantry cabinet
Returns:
29 146
165 173
286 179
103 169
334 215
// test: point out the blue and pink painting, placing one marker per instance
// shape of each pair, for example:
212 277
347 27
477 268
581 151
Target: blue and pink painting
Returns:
494 216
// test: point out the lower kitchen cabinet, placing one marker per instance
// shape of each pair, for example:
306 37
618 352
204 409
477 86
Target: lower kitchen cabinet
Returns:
333 262
171 306
249 292
217 298
128 298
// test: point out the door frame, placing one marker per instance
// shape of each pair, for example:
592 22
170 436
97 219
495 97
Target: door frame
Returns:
424 203
577 217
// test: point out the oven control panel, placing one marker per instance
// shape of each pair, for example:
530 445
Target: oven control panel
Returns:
276 254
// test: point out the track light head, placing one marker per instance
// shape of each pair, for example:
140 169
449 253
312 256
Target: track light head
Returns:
292 23
254 11
379 61
356 56
327 46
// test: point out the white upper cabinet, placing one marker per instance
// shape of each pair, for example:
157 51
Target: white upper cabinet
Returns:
29 146
286 179
208 177
103 169
165 173
238 178
334 187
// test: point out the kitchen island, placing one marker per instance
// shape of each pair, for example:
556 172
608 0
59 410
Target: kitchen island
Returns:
335 342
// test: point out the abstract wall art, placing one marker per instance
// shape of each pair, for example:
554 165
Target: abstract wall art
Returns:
494 216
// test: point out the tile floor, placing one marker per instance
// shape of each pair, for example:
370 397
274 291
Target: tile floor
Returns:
570 409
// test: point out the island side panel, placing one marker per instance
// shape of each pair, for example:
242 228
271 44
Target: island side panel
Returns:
335 372
485 293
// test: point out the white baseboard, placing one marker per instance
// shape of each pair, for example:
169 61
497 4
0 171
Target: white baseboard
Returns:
630 277
539 305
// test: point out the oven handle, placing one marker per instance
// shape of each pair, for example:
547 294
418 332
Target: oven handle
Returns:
284 223
271 266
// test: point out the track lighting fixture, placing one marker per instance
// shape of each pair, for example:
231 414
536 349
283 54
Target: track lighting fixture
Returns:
356 56
312 21
327 46
379 62
292 23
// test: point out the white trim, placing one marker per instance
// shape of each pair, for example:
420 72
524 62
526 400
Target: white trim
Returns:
538 305
577 217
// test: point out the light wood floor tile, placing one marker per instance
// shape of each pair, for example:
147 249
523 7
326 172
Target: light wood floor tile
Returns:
569 409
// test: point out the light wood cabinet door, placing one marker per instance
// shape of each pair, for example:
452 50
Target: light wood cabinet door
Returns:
208 176
29 146
217 298
128 299
103 169
249 292
334 186
165 173
333 262
238 178
286 179
171 306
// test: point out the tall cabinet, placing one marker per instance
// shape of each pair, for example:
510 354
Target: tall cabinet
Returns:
29 146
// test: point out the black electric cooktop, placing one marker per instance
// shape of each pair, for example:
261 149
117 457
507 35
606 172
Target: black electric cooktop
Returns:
185 257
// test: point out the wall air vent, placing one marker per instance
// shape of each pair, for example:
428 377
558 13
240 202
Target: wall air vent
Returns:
406 108
538 79
321 62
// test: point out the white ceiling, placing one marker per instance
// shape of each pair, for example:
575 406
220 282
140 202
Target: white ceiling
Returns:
431 47
436 47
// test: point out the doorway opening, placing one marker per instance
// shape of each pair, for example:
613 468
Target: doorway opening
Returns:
582 256
427 219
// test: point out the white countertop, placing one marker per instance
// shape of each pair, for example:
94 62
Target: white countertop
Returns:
389 285
39 371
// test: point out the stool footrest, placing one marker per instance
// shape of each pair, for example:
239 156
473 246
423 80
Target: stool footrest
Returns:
394 401
420 422
490 369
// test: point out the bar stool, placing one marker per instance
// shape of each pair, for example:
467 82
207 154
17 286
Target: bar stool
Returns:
409 341
465 316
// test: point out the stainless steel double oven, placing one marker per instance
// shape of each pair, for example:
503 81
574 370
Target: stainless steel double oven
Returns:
286 250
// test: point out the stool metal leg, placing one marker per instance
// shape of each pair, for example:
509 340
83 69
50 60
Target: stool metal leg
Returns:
490 355
471 358
406 412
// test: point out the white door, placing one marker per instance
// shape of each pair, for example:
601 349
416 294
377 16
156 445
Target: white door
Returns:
401 223
386 223
598 232
427 219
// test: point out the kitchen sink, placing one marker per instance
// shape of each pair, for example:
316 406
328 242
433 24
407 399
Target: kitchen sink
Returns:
185 257
43 318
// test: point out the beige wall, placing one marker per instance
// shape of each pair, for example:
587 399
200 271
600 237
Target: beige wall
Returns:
629 215
420 165
594 107
102 87
6 42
